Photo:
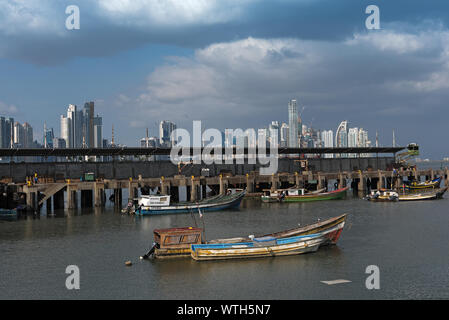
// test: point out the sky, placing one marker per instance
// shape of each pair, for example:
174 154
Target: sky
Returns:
230 64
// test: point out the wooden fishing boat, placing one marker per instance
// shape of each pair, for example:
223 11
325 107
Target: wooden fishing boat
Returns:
430 184
279 194
175 242
160 204
391 195
383 195
332 195
320 226
263 247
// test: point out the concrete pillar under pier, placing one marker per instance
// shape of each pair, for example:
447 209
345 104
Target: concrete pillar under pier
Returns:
320 183
340 181
222 189
380 181
99 195
361 186
274 182
118 197
194 196
71 198
249 183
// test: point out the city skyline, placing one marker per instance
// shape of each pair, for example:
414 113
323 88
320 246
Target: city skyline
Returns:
225 66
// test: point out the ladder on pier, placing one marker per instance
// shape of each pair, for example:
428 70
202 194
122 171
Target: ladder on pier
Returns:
51 190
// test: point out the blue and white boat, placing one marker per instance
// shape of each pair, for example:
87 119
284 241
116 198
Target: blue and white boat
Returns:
160 204
8 214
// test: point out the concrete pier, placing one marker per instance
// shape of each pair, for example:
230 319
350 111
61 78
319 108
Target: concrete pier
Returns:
94 193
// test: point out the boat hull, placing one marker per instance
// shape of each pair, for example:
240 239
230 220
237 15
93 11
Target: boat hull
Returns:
333 195
331 228
233 202
280 247
236 251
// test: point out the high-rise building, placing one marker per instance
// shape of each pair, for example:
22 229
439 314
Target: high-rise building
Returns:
284 135
59 143
293 124
353 140
9 133
327 139
66 132
273 131
165 130
262 137
76 126
88 124
19 135
98 132
29 139
341 135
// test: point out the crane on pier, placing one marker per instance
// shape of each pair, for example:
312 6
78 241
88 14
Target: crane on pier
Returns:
403 157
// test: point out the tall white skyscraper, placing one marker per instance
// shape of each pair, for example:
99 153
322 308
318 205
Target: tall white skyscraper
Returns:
293 124
273 131
284 135
327 138
353 140
66 131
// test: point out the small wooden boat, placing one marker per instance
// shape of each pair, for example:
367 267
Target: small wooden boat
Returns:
332 195
382 195
263 247
8 214
160 204
320 226
278 195
430 184
176 242
391 195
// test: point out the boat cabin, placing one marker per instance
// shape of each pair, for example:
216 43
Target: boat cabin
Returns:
296 192
177 237
154 201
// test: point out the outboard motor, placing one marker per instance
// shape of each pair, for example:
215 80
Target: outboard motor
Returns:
151 251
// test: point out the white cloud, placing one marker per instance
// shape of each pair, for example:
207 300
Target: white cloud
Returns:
171 12
232 82
31 17
8 109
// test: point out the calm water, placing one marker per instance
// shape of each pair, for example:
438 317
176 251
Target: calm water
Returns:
409 242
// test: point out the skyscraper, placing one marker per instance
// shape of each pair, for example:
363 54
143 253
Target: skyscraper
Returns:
89 123
273 131
19 135
29 139
284 135
98 132
341 136
293 124
165 130
76 126
66 131
327 138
